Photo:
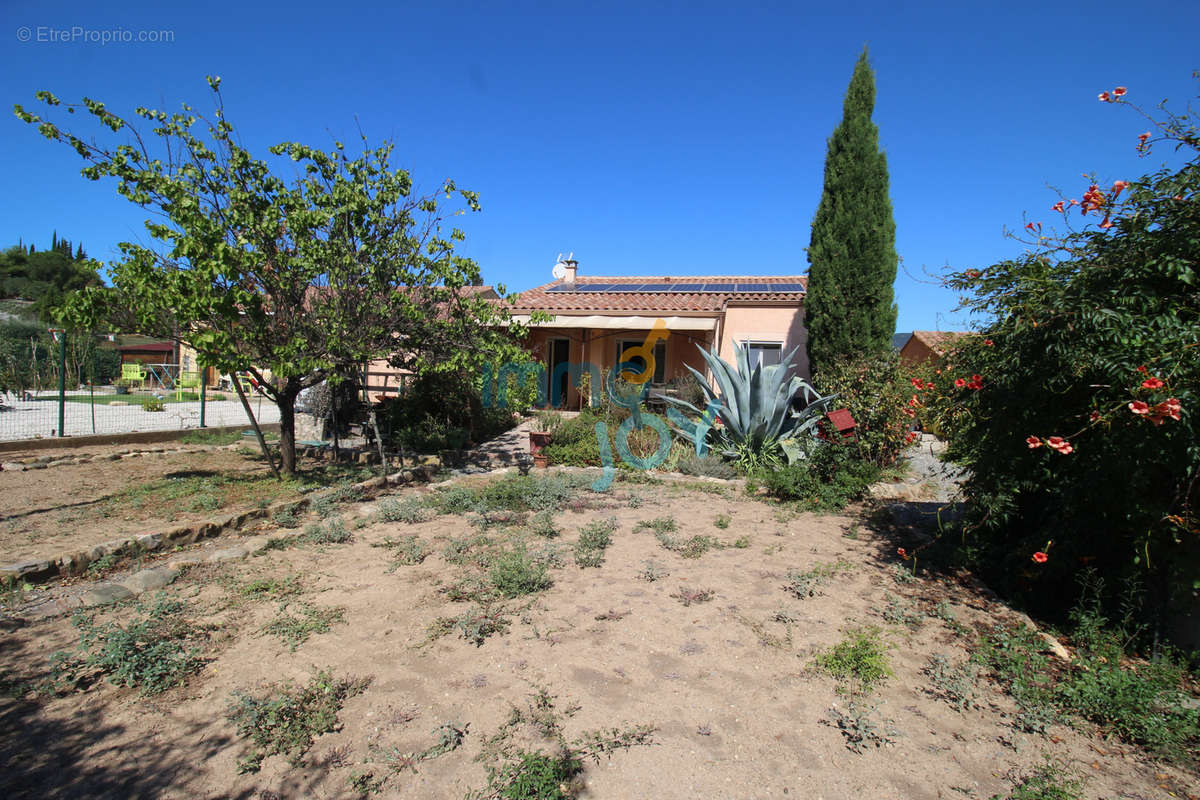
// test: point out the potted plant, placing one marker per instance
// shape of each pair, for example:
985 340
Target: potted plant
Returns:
122 386
539 431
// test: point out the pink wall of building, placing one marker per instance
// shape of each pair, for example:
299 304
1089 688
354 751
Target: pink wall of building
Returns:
758 323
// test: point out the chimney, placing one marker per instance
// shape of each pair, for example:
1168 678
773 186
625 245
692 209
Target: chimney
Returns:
572 267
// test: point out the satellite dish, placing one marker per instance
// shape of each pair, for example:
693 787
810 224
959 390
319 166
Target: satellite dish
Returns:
559 272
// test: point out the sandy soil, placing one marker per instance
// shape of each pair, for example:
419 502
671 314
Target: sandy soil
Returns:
739 712
75 506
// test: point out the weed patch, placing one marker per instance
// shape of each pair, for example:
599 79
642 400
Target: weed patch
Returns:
295 629
515 573
152 654
407 551
688 596
594 539
287 721
805 584
862 727
411 510
860 660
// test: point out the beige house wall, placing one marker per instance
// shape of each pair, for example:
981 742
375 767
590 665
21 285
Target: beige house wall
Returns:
782 324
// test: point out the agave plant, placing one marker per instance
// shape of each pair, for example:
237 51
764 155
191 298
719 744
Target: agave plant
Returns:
754 406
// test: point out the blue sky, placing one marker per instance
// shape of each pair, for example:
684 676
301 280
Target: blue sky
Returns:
648 138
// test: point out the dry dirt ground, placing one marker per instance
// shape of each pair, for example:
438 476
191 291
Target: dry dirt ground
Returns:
72 507
737 707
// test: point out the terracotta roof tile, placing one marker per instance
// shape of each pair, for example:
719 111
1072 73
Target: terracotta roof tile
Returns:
939 341
541 298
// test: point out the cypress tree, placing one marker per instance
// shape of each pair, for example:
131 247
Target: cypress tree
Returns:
850 308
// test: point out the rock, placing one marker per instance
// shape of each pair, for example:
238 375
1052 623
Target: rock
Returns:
112 457
1055 647
73 563
228 554
183 562
149 541
148 579
12 466
103 594
30 570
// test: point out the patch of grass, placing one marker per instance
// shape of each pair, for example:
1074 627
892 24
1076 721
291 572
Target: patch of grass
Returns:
722 521
295 630
742 542
805 584
860 659
449 737
274 588
707 466
408 551
410 510
515 573
152 653
286 722
215 438
594 538
692 547
467 549
657 525
1047 781
862 727
903 574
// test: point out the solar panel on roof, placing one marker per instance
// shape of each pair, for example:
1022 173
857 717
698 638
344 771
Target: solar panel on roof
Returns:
686 287
719 287
594 287
753 287
625 287
788 287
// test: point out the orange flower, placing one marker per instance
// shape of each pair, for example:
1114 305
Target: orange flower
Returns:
900 551
1139 407
1040 557
1057 206
1119 91
1152 383
988 343
1059 444
1104 97
1033 442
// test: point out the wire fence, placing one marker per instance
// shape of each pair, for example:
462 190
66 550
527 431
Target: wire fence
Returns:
53 385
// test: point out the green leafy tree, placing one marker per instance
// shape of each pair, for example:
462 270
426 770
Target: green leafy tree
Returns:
850 308
1075 410
292 280
46 277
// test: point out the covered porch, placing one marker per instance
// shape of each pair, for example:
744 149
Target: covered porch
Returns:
566 346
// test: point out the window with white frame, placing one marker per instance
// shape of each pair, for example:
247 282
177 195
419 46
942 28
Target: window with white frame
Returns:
639 363
763 353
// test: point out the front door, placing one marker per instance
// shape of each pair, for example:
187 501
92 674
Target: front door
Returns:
560 353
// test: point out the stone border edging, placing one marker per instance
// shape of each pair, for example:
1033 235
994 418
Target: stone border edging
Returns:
75 563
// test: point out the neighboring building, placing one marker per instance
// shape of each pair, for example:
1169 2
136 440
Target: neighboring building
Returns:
597 319
923 346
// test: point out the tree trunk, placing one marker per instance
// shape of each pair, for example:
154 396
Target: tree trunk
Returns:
287 425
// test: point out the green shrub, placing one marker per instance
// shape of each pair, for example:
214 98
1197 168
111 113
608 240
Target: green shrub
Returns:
286 519
410 510
154 404
594 539
827 480
804 584
876 389
860 658
1084 328
514 573
287 721
542 525
332 532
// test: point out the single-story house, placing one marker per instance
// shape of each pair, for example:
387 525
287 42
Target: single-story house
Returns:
923 346
598 319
